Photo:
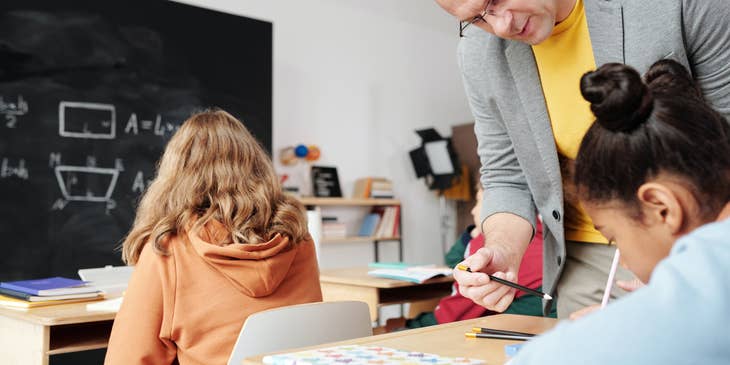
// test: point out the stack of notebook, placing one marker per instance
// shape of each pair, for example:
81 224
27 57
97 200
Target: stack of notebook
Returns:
40 292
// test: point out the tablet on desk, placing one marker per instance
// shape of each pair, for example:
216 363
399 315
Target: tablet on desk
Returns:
112 280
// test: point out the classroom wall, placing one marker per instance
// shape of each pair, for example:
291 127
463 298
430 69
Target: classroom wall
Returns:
357 77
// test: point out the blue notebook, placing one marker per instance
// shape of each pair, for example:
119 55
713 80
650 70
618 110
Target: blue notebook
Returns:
49 286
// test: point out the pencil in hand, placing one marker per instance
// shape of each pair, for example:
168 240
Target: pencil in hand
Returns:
525 289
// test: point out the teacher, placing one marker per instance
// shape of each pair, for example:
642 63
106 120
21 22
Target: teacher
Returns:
521 62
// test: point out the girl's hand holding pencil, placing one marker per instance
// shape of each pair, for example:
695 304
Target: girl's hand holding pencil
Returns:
629 286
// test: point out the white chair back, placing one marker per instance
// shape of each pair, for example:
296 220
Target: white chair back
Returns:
300 326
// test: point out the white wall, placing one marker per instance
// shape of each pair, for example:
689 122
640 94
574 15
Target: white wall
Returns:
357 77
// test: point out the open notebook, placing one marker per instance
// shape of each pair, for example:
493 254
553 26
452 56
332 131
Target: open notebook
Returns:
361 355
111 280
413 273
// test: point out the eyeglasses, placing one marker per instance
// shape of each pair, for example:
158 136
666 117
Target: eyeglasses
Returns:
488 10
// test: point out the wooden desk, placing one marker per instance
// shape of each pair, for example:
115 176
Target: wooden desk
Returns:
356 284
447 339
29 337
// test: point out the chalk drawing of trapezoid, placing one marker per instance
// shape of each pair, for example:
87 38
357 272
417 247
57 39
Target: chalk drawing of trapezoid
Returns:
89 184
87 120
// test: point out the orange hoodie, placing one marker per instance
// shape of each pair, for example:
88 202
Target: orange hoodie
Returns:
191 304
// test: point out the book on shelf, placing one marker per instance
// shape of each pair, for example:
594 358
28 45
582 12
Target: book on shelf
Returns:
411 273
379 194
381 184
362 188
388 225
384 223
15 303
362 354
369 225
396 222
373 187
45 298
49 286
333 229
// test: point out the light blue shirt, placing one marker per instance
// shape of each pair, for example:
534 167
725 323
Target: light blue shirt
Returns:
681 317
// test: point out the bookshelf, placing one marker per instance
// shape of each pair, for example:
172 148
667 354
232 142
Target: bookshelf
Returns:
323 203
347 201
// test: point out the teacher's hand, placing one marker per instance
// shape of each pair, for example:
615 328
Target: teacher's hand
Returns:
476 285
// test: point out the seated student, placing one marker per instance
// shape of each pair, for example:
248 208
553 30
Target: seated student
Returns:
214 241
458 308
653 172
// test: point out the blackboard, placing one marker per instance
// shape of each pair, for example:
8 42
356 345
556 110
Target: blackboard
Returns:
91 92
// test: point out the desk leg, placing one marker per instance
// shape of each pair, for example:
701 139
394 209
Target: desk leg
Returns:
23 343
332 292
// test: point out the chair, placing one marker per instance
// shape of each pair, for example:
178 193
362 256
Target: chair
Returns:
299 326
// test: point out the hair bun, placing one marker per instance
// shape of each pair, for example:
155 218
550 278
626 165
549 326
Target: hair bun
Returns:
671 77
619 99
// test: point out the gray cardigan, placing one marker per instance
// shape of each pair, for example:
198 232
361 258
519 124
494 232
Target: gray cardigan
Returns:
520 170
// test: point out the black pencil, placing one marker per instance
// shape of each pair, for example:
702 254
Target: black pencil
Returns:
509 283
497 336
500 332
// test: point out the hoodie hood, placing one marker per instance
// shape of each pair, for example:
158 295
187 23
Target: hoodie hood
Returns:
256 270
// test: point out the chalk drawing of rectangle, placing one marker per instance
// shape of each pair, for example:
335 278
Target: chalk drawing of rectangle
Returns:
60 169
87 120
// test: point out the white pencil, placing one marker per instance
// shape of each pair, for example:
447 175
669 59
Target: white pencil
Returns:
611 274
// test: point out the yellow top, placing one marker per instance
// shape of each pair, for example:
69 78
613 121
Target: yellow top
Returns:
561 61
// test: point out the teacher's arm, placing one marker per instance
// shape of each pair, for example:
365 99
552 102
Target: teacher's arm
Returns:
705 24
508 209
